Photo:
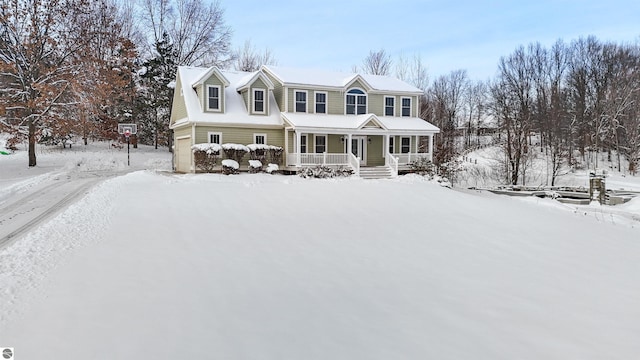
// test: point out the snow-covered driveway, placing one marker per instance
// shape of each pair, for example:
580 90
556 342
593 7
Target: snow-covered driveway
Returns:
271 267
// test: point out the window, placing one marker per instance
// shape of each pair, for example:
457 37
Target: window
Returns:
303 144
258 100
389 106
301 101
213 98
356 102
406 106
391 144
405 145
259 138
321 102
321 144
215 138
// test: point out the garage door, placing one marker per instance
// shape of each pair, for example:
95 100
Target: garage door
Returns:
184 155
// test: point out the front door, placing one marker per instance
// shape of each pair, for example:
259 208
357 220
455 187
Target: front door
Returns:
359 148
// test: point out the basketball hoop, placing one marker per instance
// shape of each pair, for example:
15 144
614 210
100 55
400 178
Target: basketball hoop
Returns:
127 130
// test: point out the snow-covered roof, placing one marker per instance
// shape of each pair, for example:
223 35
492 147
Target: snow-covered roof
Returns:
248 79
323 78
357 122
235 108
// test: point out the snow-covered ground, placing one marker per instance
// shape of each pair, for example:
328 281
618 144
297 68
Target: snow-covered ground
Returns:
159 266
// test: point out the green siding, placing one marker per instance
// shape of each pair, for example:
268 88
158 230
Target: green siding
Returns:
178 108
336 102
374 151
376 103
335 144
213 80
240 135
278 91
357 84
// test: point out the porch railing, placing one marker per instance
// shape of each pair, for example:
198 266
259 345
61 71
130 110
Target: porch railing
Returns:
407 158
392 162
355 164
336 159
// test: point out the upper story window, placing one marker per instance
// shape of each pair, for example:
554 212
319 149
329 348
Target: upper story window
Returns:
301 101
213 97
321 102
356 102
406 106
389 106
258 100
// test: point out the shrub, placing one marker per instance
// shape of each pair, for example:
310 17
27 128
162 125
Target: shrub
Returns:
265 153
205 156
230 166
235 151
272 169
255 166
422 166
323 172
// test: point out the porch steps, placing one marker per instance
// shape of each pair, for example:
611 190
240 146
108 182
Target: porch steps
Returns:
376 172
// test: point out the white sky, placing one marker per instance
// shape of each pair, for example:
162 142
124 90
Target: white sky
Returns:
449 35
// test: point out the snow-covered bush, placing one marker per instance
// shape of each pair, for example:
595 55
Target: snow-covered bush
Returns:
230 166
272 168
323 172
265 153
206 156
235 151
255 166
422 166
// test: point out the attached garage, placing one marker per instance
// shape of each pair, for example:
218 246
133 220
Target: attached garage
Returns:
183 155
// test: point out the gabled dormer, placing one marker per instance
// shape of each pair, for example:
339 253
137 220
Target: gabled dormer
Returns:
210 87
255 89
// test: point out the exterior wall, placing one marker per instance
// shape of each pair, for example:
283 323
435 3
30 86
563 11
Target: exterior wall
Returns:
242 136
182 131
278 91
335 144
213 80
179 108
336 102
376 104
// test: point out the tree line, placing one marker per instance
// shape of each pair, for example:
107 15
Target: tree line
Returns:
579 98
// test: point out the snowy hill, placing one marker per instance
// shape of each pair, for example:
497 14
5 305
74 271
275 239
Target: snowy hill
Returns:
255 266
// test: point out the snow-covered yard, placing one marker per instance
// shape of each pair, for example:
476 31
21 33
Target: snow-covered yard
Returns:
161 266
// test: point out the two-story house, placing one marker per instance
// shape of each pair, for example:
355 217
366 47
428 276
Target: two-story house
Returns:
318 117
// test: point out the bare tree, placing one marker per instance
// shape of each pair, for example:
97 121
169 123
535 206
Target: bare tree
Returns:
247 58
377 63
196 29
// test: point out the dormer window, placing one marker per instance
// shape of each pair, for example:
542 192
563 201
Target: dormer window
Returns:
301 101
406 106
258 101
213 98
356 102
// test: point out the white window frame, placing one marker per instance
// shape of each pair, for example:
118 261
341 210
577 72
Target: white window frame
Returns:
402 107
401 145
366 99
295 101
391 146
264 101
315 143
212 133
303 143
219 98
326 102
255 138
384 106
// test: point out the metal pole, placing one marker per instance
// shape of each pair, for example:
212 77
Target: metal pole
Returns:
128 163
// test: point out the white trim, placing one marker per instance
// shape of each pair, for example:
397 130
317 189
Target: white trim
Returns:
384 105
286 99
326 102
214 133
207 74
295 100
365 141
255 135
315 142
206 98
366 97
264 101
410 106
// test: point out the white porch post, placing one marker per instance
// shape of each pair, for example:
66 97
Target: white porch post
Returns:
349 148
431 147
298 147
286 146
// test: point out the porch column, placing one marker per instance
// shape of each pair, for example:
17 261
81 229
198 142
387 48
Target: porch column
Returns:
298 147
431 148
385 146
286 146
349 148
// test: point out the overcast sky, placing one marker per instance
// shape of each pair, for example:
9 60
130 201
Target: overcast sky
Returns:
449 35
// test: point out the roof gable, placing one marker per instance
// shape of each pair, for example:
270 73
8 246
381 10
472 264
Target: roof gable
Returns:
372 122
212 71
248 80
